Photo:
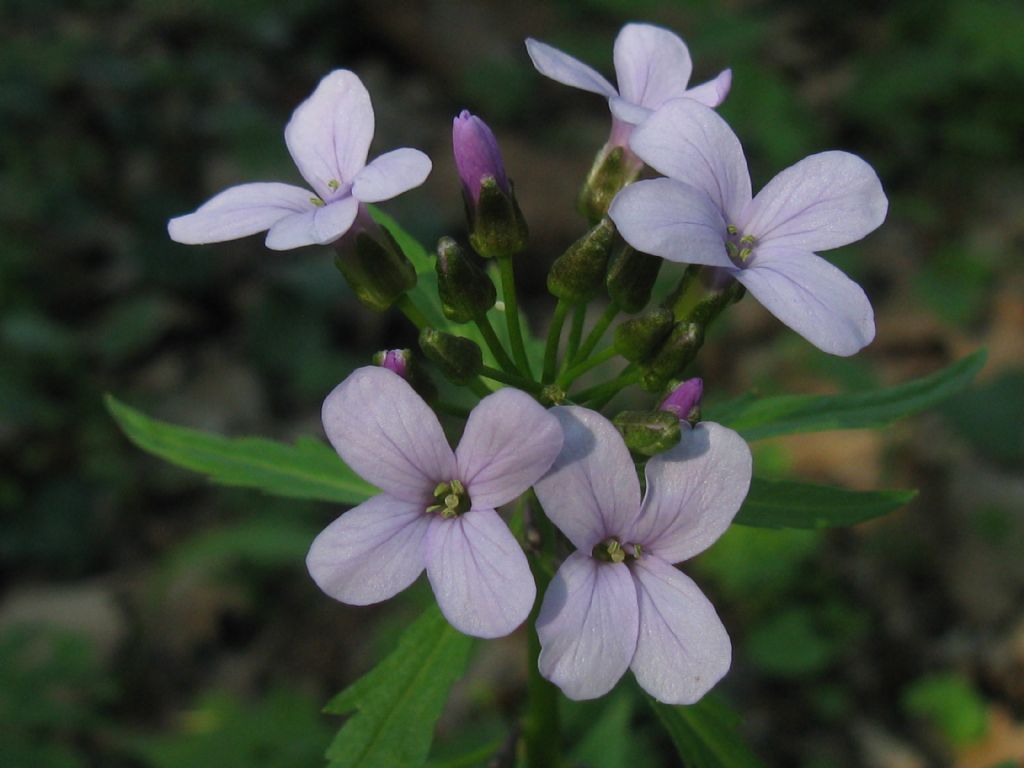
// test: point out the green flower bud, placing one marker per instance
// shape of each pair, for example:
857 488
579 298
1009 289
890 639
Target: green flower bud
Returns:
631 277
466 291
641 338
614 167
675 354
458 358
577 275
648 432
375 266
496 225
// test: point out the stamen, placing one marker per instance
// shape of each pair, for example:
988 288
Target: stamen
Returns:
333 185
452 500
317 202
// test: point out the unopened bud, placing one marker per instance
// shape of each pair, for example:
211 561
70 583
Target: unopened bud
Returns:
458 358
476 155
641 338
466 291
614 167
373 264
496 225
396 360
684 400
631 278
648 432
675 354
578 274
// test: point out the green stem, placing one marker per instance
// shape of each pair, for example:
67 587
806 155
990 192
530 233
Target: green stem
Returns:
512 379
479 388
575 334
602 393
576 371
515 333
596 333
541 726
554 336
494 344
411 311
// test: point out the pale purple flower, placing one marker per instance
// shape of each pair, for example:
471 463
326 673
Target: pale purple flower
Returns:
476 154
617 603
652 66
684 398
703 213
437 507
328 137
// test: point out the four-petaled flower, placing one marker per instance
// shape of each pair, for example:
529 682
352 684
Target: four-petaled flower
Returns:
652 66
437 509
703 213
617 602
328 137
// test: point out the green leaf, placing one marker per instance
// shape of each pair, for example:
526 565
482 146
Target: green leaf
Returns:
398 702
706 734
307 470
757 419
951 704
790 504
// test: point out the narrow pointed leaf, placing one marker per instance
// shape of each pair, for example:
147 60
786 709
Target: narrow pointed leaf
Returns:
309 469
788 504
397 703
757 419
705 734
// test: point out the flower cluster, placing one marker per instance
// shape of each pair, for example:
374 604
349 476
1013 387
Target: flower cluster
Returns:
616 600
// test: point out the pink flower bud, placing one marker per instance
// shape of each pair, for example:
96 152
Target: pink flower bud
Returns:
476 154
685 399
395 360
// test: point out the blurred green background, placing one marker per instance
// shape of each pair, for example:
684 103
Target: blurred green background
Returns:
147 619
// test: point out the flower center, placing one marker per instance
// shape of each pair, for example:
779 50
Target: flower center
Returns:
611 550
452 499
739 247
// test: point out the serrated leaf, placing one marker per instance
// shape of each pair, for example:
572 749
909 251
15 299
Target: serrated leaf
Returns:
706 734
790 504
397 703
757 419
309 469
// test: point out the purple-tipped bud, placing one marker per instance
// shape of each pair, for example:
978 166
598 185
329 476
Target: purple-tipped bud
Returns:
684 400
476 155
396 360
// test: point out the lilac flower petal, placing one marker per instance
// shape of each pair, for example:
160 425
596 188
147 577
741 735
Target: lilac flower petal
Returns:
240 211
319 226
479 573
371 552
509 442
652 65
591 491
668 218
713 92
627 111
689 142
682 649
386 433
390 175
812 297
330 132
694 491
824 201
588 626
563 68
